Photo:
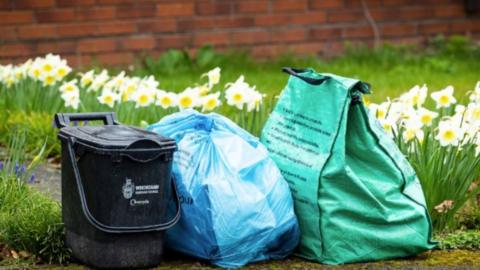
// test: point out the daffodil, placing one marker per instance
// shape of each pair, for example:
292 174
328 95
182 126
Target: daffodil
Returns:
98 81
238 93
166 99
109 85
19 72
48 79
72 99
7 76
419 95
475 96
118 80
255 100
402 111
128 88
47 67
380 111
10 80
388 125
444 98
108 98
69 86
26 66
87 78
62 70
412 128
189 98
236 97
239 83
143 97
449 133
472 132
426 116
472 113
35 72
149 82
54 59
213 76
460 109
204 89
211 101
43 69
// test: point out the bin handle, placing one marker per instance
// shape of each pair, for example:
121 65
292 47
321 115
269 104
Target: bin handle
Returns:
116 229
295 71
63 119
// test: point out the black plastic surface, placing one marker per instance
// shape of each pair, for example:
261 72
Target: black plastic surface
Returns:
117 194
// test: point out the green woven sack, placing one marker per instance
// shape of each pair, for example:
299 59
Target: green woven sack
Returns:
356 196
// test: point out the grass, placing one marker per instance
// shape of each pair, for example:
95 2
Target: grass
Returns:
391 70
38 127
30 222
469 240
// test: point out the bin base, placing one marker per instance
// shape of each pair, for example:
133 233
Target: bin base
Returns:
114 251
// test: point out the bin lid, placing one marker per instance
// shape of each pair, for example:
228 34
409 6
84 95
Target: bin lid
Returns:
117 137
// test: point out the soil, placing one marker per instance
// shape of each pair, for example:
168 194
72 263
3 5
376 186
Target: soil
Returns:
48 180
435 260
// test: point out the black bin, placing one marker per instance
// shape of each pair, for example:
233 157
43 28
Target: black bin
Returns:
116 188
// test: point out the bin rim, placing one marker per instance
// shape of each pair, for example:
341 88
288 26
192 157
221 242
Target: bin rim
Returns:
84 136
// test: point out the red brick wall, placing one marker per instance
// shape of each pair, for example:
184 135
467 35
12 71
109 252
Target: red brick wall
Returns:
117 31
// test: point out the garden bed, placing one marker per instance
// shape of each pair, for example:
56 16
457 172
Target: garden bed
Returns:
450 189
49 183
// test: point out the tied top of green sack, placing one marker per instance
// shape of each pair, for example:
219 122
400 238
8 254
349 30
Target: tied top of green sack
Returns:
310 76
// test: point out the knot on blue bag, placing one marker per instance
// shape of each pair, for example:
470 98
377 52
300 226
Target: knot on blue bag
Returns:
204 123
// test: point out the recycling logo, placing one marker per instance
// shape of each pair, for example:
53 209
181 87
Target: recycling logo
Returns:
128 189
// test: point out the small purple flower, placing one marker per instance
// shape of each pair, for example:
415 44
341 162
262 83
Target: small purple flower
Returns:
1 165
32 179
75 123
19 170
85 123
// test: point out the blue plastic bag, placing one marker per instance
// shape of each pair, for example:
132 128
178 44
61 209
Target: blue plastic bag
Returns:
236 206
